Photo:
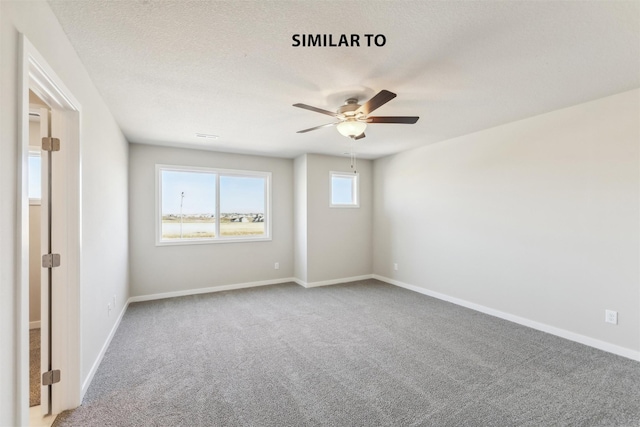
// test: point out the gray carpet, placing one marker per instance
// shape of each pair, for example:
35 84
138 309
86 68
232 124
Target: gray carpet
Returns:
360 354
34 367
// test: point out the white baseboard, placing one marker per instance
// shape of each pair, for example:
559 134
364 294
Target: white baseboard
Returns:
34 325
572 336
96 364
331 282
174 294
231 287
563 333
103 350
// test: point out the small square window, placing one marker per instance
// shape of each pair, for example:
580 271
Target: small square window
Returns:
344 190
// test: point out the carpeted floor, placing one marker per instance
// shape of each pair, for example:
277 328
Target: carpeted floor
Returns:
359 354
34 367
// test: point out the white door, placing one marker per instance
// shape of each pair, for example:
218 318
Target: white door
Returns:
45 327
65 241
55 292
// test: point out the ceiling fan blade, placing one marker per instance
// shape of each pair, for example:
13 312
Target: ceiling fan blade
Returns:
377 101
317 110
362 135
393 119
317 127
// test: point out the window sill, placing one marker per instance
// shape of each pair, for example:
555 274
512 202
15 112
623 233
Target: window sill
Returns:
212 241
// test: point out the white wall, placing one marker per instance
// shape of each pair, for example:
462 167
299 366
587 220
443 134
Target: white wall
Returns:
338 239
104 269
160 269
300 269
538 218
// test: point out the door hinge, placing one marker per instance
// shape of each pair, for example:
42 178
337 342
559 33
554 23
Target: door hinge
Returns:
50 260
50 144
51 377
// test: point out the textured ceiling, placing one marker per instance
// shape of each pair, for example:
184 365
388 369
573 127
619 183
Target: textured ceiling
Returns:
170 69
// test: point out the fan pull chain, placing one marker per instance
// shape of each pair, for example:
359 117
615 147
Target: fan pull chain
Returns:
353 162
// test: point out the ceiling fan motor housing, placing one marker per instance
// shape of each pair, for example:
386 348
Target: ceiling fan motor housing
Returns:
349 108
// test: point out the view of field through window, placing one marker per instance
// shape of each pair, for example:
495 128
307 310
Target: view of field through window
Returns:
189 205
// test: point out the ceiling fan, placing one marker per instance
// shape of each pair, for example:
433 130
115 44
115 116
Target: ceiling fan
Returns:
353 117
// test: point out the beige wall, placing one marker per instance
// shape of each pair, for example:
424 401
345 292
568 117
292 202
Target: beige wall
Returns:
537 218
160 269
300 270
311 241
104 268
35 263
338 240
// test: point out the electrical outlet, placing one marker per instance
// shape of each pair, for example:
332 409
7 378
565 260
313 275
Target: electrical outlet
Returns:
276 266
611 316
395 266
108 310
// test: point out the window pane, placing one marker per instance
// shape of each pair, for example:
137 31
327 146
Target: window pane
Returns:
342 190
188 205
242 206
35 170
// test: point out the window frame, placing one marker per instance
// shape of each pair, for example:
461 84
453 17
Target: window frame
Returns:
218 238
355 189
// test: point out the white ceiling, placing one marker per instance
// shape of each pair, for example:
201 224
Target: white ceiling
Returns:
170 69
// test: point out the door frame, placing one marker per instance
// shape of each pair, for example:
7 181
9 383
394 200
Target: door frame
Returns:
36 74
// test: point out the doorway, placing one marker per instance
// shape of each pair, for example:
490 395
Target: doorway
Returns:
39 336
57 114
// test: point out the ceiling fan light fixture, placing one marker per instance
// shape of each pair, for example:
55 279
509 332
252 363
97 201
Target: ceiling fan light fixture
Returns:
353 117
351 128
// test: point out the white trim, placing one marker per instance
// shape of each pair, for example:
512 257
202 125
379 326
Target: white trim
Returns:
562 333
34 325
37 75
228 239
221 288
355 189
506 316
174 294
333 281
103 350
231 287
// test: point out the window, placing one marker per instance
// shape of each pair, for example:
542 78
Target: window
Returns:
35 177
344 190
202 205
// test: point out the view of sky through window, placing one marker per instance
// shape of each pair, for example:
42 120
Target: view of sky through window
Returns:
241 194
199 192
342 190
